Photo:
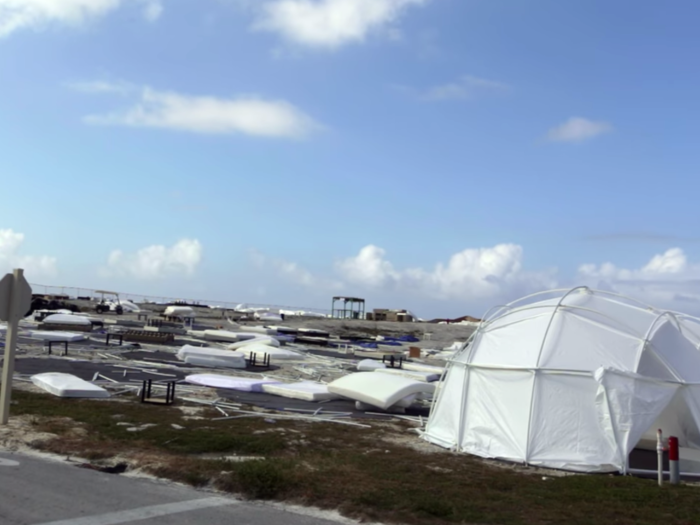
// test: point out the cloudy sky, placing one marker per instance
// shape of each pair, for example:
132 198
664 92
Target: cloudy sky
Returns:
437 155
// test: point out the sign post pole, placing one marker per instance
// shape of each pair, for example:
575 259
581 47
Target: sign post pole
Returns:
15 297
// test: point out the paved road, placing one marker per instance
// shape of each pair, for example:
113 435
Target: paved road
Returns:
36 491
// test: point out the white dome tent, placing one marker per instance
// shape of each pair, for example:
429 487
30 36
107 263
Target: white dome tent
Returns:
572 381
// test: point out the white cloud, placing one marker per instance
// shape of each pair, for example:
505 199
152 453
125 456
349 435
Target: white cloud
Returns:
153 10
331 23
38 14
10 257
465 87
667 280
369 268
578 129
474 273
201 114
157 261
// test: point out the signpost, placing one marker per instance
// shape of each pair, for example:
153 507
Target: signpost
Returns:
15 300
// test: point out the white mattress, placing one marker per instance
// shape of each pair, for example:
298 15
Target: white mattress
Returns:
220 335
426 377
369 365
305 390
179 311
66 319
57 336
211 357
276 354
421 367
67 385
380 390
244 384
256 340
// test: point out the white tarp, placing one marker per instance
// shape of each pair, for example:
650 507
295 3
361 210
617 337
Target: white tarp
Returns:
67 385
573 381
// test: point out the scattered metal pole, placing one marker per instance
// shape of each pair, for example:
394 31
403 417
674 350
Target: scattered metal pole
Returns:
660 456
673 463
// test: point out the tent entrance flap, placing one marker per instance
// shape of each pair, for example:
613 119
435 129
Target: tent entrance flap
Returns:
628 406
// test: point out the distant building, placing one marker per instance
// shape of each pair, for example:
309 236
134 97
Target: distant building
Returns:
384 314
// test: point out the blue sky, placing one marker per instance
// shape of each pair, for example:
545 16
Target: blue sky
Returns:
438 155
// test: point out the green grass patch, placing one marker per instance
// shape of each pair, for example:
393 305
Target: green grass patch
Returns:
353 470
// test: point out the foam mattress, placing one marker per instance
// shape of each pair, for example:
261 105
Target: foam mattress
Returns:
179 311
244 384
305 390
276 354
211 357
71 337
369 365
67 385
256 340
379 390
426 377
67 319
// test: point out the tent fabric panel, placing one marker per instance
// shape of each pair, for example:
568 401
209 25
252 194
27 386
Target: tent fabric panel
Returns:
676 350
516 345
445 421
497 413
650 365
565 428
576 343
616 310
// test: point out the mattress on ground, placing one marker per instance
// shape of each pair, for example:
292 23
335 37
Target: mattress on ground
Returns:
305 390
276 354
66 319
67 385
257 339
369 365
179 311
221 335
380 390
426 377
422 367
211 357
244 384
69 337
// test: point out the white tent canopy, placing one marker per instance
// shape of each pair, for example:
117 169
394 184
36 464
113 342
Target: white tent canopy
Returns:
571 380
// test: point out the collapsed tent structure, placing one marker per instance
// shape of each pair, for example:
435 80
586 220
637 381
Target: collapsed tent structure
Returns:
572 380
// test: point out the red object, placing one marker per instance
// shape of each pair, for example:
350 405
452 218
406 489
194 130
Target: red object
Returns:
673 448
